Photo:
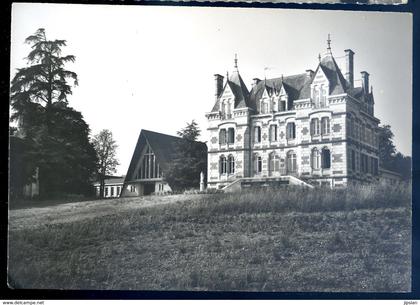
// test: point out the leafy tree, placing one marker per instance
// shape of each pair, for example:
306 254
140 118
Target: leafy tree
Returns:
389 157
106 151
190 160
56 136
386 146
44 81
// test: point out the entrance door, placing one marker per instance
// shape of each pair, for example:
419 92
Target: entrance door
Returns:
148 188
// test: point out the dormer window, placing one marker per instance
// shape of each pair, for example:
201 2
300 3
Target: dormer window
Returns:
283 103
319 96
229 110
264 106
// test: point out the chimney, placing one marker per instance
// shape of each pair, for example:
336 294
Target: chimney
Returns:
255 81
350 67
219 85
365 81
309 73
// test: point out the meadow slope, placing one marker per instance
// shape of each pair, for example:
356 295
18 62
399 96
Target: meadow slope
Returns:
276 240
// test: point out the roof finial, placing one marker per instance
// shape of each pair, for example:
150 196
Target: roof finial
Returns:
236 62
227 75
319 57
329 43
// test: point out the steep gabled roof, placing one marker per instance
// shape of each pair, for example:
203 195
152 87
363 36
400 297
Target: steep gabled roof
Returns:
163 145
239 90
337 82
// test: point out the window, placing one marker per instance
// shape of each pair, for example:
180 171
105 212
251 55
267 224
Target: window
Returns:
149 167
112 191
353 160
273 163
118 190
223 165
283 105
132 188
316 96
265 107
315 127
223 110
323 96
290 130
231 165
222 136
315 159
231 135
257 164
257 134
228 111
273 133
291 162
374 164
106 192
326 158
325 125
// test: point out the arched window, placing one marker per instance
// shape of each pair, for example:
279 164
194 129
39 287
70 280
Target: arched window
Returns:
315 159
325 125
257 134
290 130
231 135
257 164
326 158
222 136
231 164
291 162
315 127
222 165
273 133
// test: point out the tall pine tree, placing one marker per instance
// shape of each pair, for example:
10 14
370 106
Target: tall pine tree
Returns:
56 136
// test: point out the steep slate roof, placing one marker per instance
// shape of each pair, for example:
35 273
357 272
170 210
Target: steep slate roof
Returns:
294 85
297 86
239 90
163 146
338 83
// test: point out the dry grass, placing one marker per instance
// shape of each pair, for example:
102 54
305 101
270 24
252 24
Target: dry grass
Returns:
279 240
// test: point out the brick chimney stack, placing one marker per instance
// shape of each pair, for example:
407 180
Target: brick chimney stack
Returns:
365 81
349 67
219 85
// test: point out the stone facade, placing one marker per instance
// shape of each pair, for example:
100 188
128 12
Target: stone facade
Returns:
315 126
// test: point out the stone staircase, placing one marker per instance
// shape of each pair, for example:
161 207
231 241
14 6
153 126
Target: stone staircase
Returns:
246 183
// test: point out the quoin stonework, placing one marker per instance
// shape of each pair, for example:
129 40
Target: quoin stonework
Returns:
316 126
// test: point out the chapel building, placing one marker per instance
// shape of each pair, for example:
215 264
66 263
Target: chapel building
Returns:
314 126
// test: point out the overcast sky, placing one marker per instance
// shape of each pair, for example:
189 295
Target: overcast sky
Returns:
151 67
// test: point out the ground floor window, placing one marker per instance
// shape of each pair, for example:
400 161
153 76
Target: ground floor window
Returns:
231 165
118 190
326 158
291 162
112 191
257 164
223 165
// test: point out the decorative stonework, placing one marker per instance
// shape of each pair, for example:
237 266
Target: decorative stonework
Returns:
239 137
305 131
213 140
336 127
264 136
213 165
305 159
337 158
337 172
337 143
281 135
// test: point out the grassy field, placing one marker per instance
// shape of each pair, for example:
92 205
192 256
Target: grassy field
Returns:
276 240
